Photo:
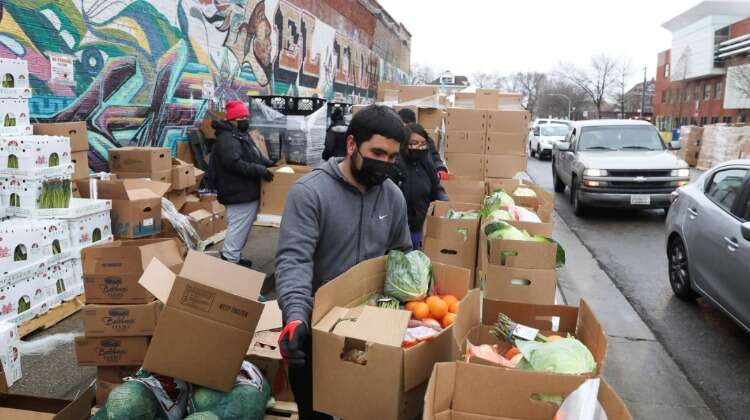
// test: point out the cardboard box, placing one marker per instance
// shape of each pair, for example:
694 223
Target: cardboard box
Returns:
183 174
211 304
506 144
465 164
199 174
185 152
522 285
120 320
193 203
504 166
136 205
111 271
273 194
14 113
461 119
10 356
158 176
35 156
508 121
25 407
430 118
465 190
487 99
178 198
543 204
264 352
111 351
203 222
408 93
220 221
81 165
140 159
452 242
75 130
395 377
468 391
520 254
383 86
465 142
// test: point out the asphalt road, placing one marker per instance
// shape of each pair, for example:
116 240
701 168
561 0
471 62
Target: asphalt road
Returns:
630 247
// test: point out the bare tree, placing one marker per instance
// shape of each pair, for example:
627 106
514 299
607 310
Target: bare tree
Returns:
530 84
621 97
483 79
596 80
422 74
549 104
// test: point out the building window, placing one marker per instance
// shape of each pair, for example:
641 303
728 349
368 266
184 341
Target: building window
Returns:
666 71
726 120
718 90
663 96
697 92
706 92
714 120
704 120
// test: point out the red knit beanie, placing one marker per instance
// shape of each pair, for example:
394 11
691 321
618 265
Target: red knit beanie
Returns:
236 110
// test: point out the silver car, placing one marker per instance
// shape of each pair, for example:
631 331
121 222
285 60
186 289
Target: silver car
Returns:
708 239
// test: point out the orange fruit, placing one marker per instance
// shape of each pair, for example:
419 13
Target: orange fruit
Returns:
453 308
420 310
438 307
449 299
409 305
448 319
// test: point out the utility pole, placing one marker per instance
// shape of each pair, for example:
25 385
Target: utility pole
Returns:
643 92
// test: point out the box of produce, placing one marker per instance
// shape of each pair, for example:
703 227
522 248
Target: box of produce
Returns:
27 155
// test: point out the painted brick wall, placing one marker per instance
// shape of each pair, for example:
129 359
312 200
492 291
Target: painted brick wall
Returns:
142 72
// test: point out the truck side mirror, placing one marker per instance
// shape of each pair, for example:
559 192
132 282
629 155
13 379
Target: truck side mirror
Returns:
674 145
563 146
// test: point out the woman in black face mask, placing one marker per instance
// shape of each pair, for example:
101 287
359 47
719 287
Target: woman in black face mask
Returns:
418 180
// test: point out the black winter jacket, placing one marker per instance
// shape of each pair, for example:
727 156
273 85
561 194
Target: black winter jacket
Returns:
335 141
437 161
237 165
420 185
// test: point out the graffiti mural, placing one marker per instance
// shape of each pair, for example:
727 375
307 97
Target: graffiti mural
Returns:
146 71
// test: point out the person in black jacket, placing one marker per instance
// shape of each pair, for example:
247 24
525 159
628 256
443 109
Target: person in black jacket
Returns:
408 116
237 167
418 180
335 145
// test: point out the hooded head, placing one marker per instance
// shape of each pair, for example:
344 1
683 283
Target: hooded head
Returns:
408 116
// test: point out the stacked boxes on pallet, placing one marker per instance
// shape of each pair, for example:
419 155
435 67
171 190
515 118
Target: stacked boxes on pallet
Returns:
120 315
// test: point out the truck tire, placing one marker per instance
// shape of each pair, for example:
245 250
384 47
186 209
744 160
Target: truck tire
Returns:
559 186
531 150
579 209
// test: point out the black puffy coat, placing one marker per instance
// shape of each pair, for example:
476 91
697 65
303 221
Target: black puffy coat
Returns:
420 185
237 165
335 145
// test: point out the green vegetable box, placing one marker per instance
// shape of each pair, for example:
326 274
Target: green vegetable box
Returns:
14 117
22 245
22 196
35 156
14 79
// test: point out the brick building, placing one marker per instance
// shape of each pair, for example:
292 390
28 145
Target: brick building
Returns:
697 79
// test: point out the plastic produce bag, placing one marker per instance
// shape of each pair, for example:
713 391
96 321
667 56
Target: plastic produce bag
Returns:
409 276
272 126
180 223
582 404
246 401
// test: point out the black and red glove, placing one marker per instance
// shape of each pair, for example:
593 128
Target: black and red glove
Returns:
442 174
292 341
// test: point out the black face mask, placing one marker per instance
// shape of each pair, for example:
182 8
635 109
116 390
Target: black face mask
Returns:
416 155
373 172
243 125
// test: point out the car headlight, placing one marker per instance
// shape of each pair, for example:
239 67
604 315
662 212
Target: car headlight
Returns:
595 172
682 173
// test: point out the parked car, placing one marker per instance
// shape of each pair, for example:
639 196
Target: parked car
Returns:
616 163
541 121
542 139
708 239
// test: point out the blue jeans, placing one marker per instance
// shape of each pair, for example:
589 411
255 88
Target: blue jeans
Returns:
416 240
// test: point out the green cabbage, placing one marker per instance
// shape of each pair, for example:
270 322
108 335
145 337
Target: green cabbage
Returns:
409 276
496 200
566 355
524 192
499 215
458 215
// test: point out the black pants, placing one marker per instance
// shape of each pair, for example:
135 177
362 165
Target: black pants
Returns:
301 382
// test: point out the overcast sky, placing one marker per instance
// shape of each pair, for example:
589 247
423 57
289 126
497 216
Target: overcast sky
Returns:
465 36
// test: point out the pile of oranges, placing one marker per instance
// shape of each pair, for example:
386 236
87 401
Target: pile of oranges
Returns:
442 309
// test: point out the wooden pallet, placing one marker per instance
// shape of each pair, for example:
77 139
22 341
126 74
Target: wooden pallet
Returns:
211 241
282 410
52 317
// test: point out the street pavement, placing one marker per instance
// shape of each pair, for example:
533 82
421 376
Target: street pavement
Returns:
629 246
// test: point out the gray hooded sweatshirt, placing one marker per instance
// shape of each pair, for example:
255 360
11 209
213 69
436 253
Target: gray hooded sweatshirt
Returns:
327 227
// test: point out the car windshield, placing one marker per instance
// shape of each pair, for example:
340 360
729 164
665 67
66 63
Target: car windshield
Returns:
554 130
620 138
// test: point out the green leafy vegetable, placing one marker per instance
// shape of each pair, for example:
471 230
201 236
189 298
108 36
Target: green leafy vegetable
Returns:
409 276
12 162
496 200
565 355
459 215
524 192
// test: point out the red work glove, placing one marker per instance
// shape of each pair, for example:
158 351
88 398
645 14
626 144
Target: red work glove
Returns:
291 343
442 174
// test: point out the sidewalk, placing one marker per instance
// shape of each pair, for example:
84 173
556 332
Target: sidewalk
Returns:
637 366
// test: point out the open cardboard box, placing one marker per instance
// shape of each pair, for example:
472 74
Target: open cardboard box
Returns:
466 391
182 174
136 204
518 254
25 407
392 382
448 241
476 318
208 321
464 189
273 194
203 223
543 205
264 352
111 271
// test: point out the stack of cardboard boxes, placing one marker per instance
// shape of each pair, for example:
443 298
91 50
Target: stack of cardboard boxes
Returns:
120 315
482 144
77 132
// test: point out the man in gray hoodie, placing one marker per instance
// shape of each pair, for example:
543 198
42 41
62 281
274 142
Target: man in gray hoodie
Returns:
342 213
